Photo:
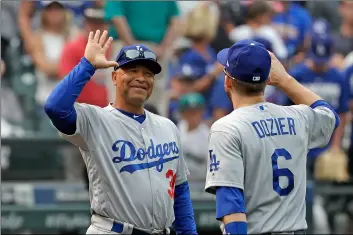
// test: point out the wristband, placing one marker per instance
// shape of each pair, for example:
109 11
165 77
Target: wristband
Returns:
236 228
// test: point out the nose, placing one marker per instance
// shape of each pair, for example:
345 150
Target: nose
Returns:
140 75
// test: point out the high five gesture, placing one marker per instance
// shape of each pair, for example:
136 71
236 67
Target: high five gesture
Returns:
96 50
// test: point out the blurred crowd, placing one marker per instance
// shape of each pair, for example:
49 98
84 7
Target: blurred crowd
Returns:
41 41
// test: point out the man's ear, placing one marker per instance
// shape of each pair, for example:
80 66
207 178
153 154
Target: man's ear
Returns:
115 77
227 83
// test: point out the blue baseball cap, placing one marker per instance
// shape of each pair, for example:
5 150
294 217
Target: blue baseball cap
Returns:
320 27
138 54
247 61
197 63
321 48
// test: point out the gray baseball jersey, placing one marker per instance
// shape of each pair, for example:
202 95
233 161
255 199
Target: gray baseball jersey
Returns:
132 167
262 149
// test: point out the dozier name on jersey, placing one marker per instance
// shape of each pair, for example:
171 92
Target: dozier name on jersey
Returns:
128 153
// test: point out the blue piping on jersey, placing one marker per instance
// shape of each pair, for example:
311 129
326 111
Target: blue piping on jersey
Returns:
137 117
323 103
60 104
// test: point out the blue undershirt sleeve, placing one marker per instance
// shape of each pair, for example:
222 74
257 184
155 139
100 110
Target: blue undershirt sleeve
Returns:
60 104
184 214
229 200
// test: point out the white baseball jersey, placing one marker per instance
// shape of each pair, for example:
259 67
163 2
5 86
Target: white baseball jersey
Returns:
132 167
262 149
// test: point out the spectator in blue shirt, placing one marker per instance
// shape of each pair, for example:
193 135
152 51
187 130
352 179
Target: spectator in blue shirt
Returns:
181 83
293 24
201 27
317 74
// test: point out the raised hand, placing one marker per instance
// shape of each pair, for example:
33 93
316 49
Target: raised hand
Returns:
278 74
96 50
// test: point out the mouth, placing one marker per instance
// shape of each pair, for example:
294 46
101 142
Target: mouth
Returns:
140 87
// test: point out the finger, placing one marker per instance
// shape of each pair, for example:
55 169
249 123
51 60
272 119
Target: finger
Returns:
90 36
108 43
96 36
103 38
112 64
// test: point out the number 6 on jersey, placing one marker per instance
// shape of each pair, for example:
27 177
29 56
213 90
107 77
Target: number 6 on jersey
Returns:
283 172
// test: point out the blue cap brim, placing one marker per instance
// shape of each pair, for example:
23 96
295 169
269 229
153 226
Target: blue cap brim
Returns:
153 65
222 56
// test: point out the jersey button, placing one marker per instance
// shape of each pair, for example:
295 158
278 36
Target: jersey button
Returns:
142 129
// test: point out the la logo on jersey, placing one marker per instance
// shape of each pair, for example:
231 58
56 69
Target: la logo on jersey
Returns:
214 164
160 153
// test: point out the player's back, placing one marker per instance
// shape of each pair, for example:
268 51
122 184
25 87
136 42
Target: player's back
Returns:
273 142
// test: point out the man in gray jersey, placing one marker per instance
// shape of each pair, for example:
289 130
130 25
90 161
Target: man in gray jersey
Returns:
257 153
137 175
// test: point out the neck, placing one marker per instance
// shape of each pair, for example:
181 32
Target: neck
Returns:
192 127
120 104
200 47
242 101
347 29
253 24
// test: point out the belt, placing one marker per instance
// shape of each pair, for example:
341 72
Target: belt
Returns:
120 227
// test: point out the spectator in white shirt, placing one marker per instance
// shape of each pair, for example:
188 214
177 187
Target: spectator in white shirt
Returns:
258 24
194 135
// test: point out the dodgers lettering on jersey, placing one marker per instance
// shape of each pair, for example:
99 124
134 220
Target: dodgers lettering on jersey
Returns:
274 126
262 149
153 152
133 167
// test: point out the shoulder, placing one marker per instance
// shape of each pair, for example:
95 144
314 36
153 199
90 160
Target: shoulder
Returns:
161 121
89 109
228 124
337 75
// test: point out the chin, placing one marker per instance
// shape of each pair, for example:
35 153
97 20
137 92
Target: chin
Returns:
138 99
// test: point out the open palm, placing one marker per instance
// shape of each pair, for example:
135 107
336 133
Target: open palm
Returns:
96 50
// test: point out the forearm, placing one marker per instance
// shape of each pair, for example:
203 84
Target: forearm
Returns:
50 69
298 93
172 33
24 22
123 30
339 132
184 214
205 82
60 104
230 209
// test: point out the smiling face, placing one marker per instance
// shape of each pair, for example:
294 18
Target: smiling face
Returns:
134 84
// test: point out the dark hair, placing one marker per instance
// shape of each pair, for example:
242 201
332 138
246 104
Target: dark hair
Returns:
258 8
246 88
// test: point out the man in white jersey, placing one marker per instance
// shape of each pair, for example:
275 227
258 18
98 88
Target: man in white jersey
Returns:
137 175
257 153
